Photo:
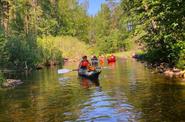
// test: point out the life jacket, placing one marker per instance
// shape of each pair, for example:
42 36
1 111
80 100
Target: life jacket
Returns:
84 63
101 59
91 68
111 59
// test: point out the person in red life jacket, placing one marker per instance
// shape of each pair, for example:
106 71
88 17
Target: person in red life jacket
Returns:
111 58
84 64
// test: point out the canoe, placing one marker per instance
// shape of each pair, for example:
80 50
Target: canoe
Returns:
89 74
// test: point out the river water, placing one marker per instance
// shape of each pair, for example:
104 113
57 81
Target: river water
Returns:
126 92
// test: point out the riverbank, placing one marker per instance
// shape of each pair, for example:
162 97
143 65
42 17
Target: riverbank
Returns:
70 50
162 68
8 83
128 90
127 54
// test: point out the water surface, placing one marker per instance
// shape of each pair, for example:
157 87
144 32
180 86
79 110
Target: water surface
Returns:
125 92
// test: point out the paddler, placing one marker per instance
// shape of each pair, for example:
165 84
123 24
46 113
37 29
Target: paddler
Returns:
84 64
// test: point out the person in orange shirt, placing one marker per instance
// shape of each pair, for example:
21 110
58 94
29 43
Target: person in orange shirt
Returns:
101 60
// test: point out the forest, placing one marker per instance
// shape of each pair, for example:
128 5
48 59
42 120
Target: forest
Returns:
125 63
29 28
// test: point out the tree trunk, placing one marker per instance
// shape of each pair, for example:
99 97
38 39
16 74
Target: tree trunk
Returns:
5 15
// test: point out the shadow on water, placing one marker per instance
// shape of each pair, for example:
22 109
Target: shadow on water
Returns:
125 91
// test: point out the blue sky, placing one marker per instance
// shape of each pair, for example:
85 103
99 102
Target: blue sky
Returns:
94 6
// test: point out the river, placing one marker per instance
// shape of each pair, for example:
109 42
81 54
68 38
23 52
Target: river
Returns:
126 92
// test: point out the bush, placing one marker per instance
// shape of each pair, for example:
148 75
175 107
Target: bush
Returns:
22 52
55 48
3 50
49 50
2 79
181 62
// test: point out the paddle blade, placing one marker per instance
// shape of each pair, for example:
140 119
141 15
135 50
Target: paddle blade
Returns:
63 71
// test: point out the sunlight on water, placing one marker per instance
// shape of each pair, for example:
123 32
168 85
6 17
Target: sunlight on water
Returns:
125 92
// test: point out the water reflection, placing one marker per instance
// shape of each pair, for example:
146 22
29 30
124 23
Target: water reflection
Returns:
112 65
165 103
88 83
128 92
101 106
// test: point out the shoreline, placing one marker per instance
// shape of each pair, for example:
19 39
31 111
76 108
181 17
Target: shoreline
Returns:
161 68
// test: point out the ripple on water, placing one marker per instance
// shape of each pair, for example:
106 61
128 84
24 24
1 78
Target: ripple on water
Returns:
101 107
129 93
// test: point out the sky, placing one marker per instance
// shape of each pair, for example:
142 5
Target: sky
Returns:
94 6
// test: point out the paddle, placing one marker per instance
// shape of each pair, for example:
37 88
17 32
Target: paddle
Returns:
63 71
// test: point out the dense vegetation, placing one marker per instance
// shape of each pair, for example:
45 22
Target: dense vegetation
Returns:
2 79
30 29
109 29
158 25
23 22
70 47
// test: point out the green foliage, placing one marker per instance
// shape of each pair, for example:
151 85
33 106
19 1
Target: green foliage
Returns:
23 21
53 48
110 43
164 31
2 79
21 53
181 60
49 50
112 27
3 50
158 25
72 19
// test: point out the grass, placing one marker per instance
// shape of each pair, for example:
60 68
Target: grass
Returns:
125 54
70 47
132 46
129 53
